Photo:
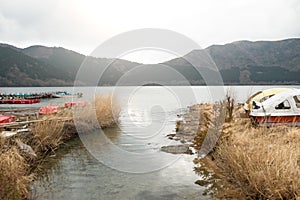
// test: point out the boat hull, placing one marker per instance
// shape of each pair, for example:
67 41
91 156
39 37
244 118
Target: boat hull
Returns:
19 101
64 96
75 104
4 119
292 120
46 110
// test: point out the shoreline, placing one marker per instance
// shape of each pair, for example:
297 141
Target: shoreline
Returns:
21 153
239 144
24 153
229 170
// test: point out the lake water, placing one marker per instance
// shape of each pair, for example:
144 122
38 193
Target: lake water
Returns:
126 162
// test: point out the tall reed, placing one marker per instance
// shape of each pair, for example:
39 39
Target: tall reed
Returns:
48 134
104 110
13 175
107 110
259 163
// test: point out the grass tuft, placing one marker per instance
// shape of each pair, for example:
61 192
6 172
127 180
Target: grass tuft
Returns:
262 163
107 110
13 175
104 109
48 134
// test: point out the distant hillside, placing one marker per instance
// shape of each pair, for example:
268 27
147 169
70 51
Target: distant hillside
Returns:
52 66
243 62
58 57
284 53
18 69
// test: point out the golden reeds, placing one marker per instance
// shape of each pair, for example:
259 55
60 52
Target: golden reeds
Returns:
107 110
48 134
13 175
16 167
262 163
103 111
255 163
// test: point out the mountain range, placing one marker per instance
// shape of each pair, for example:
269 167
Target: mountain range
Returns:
238 63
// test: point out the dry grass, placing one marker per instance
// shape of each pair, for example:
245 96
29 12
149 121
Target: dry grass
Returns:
210 126
204 123
262 163
253 163
106 110
48 134
229 103
16 167
13 179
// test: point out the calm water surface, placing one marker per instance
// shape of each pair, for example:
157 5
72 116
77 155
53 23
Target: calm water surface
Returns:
129 165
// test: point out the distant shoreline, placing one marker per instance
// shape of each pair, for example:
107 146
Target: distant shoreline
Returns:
266 84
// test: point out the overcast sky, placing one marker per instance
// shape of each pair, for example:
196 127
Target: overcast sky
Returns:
83 25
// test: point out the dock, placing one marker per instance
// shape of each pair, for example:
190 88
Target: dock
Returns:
28 116
22 123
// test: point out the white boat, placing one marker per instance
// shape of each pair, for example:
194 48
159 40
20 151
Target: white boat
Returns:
281 109
66 95
261 96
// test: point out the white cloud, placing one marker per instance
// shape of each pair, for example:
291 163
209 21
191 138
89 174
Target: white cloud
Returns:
83 25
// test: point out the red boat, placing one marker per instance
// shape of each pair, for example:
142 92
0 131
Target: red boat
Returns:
19 101
4 119
75 103
45 110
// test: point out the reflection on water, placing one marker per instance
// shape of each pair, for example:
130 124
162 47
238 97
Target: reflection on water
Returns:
74 174
133 147
148 116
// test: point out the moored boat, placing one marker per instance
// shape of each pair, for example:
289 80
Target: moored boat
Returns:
261 96
4 119
19 101
280 109
75 103
65 95
40 95
49 109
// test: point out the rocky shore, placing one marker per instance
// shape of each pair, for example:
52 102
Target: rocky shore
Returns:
246 162
187 127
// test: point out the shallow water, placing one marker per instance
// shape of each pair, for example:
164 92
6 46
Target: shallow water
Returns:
75 174
126 162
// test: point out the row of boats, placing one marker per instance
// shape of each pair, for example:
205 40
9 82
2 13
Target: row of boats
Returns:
276 106
31 98
19 101
22 98
51 109
45 110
